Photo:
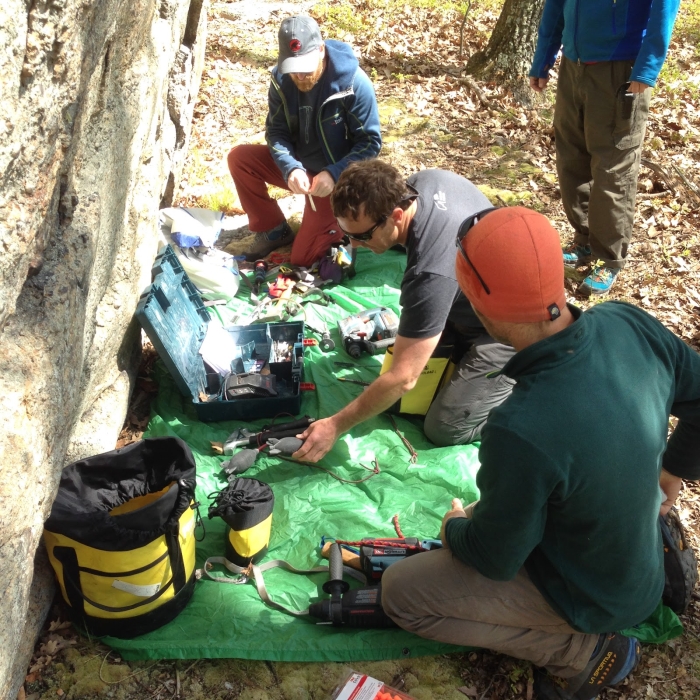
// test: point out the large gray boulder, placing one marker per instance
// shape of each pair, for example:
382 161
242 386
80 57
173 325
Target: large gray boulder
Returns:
96 100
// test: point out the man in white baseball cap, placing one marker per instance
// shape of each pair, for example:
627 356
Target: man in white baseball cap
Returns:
322 115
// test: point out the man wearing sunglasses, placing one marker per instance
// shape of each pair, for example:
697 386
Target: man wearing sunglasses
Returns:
322 115
564 547
378 209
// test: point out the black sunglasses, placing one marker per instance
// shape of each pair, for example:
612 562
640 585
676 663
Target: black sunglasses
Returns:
463 231
366 235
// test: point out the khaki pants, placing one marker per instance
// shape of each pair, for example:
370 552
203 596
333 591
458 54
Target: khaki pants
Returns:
435 595
599 133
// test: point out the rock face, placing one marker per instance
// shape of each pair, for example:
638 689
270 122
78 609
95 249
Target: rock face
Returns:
96 104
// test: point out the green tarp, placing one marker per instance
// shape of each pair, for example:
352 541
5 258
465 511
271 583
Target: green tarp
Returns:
230 621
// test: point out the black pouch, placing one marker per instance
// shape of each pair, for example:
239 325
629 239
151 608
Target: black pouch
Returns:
245 505
680 564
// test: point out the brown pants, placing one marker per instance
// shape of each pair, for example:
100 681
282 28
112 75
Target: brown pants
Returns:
599 133
435 595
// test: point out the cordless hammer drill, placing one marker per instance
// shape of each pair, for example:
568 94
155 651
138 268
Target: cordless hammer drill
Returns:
371 331
361 607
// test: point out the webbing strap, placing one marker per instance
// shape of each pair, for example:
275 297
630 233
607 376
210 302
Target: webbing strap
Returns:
254 573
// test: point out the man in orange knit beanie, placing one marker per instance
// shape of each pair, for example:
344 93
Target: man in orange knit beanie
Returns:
564 546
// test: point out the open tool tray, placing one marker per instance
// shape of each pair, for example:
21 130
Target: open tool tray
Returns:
175 320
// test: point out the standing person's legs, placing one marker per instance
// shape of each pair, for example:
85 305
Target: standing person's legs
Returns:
615 123
436 596
318 232
573 158
252 169
459 411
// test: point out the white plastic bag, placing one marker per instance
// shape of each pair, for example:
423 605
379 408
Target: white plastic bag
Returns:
213 272
191 227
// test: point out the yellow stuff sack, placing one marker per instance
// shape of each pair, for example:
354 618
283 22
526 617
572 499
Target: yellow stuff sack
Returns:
120 537
245 505
434 376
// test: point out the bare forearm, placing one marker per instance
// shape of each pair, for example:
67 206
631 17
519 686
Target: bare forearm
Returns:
410 356
381 394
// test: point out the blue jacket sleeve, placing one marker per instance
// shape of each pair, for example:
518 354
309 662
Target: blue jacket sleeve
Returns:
278 134
363 124
652 52
548 39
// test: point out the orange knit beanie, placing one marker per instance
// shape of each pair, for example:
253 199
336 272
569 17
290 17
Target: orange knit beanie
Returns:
511 266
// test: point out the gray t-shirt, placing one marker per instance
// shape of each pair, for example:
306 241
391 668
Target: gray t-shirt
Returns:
430 295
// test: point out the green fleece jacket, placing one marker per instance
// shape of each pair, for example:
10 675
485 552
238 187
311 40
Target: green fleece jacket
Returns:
570 464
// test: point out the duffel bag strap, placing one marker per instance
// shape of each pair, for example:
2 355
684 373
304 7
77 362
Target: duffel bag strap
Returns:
67 557
254 573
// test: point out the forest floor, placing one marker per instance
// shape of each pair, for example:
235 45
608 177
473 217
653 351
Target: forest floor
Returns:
433 116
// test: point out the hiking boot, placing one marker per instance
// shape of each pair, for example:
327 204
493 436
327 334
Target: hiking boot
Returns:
599 281
267 241
575 255
614 658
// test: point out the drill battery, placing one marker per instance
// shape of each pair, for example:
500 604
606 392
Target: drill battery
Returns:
377 555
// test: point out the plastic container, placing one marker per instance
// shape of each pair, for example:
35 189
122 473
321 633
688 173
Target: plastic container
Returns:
175 320
358 686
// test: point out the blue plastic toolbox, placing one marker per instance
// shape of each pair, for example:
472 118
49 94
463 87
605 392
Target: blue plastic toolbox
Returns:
175 320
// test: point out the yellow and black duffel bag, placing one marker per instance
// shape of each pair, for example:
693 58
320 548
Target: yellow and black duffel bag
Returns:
435 375
120 537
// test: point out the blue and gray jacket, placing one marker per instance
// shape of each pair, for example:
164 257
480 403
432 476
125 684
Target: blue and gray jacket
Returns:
347 118
606 30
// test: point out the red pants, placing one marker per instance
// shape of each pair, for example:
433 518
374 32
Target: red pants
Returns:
252 169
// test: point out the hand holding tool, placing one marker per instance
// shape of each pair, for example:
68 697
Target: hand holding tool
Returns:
284 446
280 430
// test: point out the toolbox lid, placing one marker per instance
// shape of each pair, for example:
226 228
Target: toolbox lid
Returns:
171 312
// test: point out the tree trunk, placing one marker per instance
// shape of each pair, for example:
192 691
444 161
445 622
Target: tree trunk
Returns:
508 55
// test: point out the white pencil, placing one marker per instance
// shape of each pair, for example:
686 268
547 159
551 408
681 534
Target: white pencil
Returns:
311 202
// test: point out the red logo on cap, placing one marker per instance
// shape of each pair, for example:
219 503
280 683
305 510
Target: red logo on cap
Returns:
295 45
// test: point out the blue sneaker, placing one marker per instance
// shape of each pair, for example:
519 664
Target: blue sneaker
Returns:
599 281
575 255
614 658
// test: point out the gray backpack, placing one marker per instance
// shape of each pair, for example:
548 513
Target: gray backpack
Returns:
680 565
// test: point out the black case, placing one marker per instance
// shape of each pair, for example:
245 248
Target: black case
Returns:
175 320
